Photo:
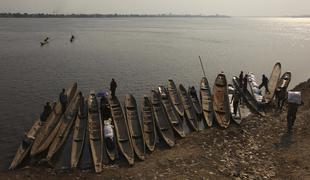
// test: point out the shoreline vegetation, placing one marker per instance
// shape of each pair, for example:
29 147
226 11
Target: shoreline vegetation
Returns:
115 15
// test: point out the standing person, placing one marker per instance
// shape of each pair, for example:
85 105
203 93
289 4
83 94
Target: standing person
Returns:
46 112
113 87
294 101
264 83
281 97
63 100
81 102
240 78
291 115
245 83
235 99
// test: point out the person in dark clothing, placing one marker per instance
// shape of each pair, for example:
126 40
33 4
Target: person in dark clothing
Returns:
63 100
281 97
192 91
46 39
291 115
245 83
105 108
81 102
72 38
235 100
241 78
46 112
26 142
264 83
113 87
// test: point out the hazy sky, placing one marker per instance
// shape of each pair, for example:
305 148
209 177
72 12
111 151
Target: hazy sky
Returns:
227 7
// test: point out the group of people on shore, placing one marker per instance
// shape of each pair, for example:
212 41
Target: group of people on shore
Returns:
281 96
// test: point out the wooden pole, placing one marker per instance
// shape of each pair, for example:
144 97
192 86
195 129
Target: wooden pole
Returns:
203 70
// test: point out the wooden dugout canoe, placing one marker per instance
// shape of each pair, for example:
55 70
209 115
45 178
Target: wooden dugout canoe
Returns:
79 134
22 151
285 80
221 101
175 97
173 117
106 117
95 134
190 113
65 125
163 126
147 116
121 129
134 126
206 101
273 82
195 101
44 138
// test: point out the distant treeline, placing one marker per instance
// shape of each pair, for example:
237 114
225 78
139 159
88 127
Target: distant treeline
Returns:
42 15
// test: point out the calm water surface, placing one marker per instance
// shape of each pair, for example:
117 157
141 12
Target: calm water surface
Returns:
140 53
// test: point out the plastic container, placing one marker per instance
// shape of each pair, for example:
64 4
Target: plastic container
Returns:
294 97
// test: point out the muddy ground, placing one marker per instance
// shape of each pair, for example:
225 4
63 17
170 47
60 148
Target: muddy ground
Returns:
259 148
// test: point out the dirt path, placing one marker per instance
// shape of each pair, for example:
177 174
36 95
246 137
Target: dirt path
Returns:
259 148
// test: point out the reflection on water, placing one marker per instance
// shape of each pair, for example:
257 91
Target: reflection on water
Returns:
140 53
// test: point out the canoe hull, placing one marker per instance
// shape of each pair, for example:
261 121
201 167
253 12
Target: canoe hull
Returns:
163 126
173 116
206 101
148 124
45 136
190 113
175 97
66 123
95 133
122 132
134 126
221 101
22 152
79 134
273 82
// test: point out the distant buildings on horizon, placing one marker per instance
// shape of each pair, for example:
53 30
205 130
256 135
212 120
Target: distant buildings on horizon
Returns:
43 15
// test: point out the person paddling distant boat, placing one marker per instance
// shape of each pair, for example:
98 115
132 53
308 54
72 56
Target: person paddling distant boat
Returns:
72 38
45 41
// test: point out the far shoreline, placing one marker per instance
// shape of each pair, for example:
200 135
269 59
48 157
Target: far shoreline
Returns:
42 15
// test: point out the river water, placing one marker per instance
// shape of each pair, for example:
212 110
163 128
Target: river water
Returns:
140 53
